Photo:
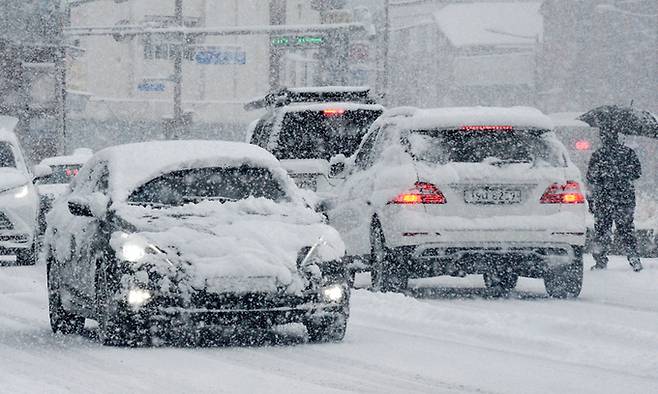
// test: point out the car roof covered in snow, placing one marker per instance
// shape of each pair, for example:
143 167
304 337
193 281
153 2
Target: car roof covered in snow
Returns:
79 156
494 23
7 126
456 117
131 165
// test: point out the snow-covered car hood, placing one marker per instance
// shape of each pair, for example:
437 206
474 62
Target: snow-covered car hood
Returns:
306 166
11 178
250 245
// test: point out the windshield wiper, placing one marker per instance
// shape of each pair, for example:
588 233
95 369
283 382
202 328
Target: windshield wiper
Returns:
501 162
198 199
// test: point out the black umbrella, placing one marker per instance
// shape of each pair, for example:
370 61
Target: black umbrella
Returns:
625 120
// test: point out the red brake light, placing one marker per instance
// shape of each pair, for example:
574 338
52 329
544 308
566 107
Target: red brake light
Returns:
333 112
487 128
569 193
422 193
583 145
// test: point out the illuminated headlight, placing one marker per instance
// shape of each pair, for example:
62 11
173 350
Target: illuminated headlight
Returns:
21 192
138 297
333 293
133 252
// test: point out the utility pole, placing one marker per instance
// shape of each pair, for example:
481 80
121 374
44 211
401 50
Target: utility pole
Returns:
277 17
177 123
387 42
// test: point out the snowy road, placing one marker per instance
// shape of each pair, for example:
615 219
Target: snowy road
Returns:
442 341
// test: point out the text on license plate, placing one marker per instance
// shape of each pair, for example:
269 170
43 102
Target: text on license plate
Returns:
492 196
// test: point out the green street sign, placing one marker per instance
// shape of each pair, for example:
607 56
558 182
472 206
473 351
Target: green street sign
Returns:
297 41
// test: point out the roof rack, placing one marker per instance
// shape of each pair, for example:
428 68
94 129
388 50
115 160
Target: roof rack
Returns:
319 94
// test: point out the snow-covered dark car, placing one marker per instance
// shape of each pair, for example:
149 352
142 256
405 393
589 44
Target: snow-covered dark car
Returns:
306 127
158 238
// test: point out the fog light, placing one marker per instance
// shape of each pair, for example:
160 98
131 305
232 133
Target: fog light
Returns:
138 297
333 293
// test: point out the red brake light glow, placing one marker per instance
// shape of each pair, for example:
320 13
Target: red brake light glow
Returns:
583 145
333 112
422 193
71 172
487 128
569 193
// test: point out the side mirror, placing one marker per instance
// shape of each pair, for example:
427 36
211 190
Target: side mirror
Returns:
96 206
337 166
79 207
41 171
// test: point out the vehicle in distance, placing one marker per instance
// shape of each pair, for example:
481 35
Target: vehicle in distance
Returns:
306 127
158 239
459 191
50 187
19 200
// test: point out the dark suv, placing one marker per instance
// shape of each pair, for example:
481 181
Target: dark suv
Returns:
306 127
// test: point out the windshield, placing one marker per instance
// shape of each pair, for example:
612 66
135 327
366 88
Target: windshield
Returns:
492 147
62 174
323 134
6 155
199 184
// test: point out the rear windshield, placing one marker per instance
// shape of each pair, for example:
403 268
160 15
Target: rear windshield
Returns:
61 174
215 184
6 155
492 147
323 134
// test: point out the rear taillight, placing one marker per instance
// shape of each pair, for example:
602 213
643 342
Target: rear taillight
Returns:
583 145
569 193
422 193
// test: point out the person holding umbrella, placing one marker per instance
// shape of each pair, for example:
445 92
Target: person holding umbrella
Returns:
612 170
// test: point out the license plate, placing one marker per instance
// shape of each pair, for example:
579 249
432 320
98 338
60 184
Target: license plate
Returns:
488 195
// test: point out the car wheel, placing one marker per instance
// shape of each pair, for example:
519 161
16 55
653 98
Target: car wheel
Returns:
61 320
566 281
501 282
27 256
327 329
117 325
386 272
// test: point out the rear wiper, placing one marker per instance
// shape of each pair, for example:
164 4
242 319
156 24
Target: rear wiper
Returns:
502 162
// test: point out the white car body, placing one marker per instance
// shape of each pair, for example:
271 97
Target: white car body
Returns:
439 234
19 200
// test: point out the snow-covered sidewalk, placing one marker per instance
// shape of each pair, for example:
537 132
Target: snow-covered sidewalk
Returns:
446 339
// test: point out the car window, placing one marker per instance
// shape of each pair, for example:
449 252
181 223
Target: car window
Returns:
494 147
322 134
262 131
362 160
61 174
215 184
7 158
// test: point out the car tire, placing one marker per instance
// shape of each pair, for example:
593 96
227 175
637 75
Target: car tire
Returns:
61 320
566 281
117 325
501 282
327 329
386 271
27 256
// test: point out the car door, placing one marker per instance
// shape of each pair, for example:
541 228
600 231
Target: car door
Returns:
351 210
80 271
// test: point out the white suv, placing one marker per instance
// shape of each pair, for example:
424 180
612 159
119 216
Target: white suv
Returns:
19 200
458 191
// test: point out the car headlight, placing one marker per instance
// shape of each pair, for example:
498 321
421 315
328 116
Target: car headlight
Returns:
21 192
333 293
138 297
133 252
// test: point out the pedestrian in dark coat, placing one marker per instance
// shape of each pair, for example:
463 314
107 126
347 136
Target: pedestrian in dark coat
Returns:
612 170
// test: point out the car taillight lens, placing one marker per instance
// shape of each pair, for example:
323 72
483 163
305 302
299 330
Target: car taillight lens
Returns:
422 193
583 145
569 193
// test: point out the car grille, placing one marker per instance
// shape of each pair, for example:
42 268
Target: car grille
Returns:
248 301
5 223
